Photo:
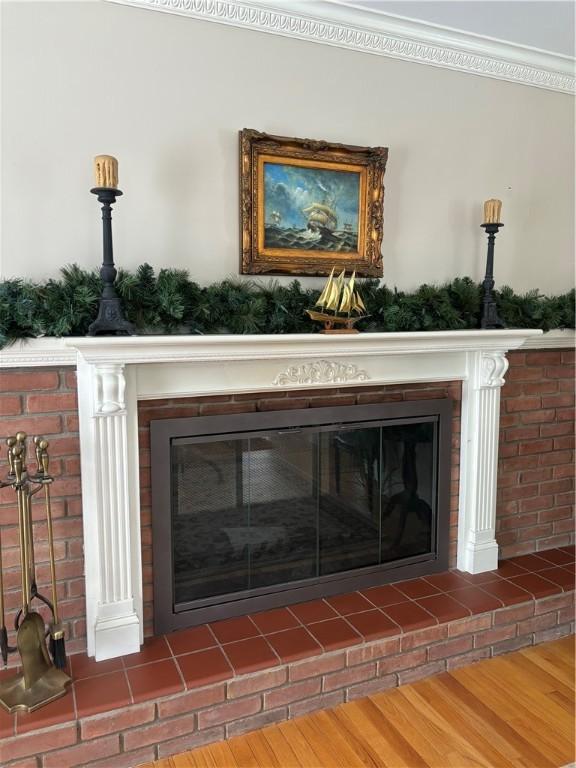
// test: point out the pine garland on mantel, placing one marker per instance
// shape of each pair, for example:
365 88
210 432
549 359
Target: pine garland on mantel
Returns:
171 303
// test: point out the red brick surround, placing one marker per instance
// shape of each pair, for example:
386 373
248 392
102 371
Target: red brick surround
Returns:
536 470
43 402
207 683
536 455
224 404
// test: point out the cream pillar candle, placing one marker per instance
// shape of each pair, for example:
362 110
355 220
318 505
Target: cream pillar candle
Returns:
492 211
106 171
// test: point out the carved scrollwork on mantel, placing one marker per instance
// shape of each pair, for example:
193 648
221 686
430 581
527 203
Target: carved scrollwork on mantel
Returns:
494 367
321 372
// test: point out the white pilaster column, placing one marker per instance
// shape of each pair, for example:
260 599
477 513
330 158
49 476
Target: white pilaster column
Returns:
107 408
480 428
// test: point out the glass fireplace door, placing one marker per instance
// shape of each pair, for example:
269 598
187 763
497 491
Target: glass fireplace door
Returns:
258 512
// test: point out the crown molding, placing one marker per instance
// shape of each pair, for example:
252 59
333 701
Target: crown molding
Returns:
344 25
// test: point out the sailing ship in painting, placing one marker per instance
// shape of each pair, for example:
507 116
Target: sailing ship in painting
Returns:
311 209
340 304
275 219
321 218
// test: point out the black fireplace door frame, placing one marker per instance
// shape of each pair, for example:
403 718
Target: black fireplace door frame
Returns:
163 432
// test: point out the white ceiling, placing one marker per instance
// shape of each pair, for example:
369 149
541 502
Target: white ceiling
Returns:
545 24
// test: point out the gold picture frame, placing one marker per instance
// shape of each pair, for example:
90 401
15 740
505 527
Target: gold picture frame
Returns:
307 206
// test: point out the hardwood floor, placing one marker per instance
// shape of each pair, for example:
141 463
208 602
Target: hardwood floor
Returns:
515 710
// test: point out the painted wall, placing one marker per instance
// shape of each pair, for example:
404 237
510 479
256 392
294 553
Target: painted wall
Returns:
167 95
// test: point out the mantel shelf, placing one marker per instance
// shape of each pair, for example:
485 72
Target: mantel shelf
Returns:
50 351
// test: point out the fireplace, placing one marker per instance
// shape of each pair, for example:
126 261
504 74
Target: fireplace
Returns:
114 375
258 510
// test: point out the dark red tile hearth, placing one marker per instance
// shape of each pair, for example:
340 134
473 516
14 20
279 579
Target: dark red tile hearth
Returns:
535 584
232 630
507 592
154 649
416 588
444 607
7 722
560 576
188 640
350 603
102 693
293 644
507 569
385 595
532 563
556 556
571 550
85 666
250 655
315 610
571 568
160 678
204 667
334 633
274 621
373 624
409 616
476 599
59 711
447 581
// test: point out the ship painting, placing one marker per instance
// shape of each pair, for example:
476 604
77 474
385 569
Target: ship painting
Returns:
305 206
340 304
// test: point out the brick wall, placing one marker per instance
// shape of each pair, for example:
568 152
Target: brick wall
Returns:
250 403
43 402
536 457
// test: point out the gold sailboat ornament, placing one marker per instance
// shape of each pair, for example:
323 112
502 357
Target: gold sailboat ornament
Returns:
340 304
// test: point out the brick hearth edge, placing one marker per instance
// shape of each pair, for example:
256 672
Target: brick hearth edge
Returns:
161 725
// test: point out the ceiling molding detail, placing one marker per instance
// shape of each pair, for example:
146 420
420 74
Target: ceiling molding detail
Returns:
346 26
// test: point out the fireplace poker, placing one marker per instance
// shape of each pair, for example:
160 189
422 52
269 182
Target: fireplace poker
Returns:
4 648
57 642
26 497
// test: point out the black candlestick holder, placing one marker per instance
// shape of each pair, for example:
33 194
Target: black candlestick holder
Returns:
490 319
110 320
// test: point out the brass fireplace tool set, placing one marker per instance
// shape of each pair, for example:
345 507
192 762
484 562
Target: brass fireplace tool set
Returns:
42 678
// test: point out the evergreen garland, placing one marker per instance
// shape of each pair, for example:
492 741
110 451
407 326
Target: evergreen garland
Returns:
170 302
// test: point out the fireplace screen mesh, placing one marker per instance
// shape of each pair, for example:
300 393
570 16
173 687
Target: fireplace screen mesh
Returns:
259 510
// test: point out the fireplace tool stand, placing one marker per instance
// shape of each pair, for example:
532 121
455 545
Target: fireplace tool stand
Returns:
42 678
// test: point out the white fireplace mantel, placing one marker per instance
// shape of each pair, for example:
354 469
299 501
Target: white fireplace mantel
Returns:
114 373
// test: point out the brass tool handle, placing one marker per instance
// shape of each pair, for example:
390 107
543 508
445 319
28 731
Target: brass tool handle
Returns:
11 442
38 452
21 441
